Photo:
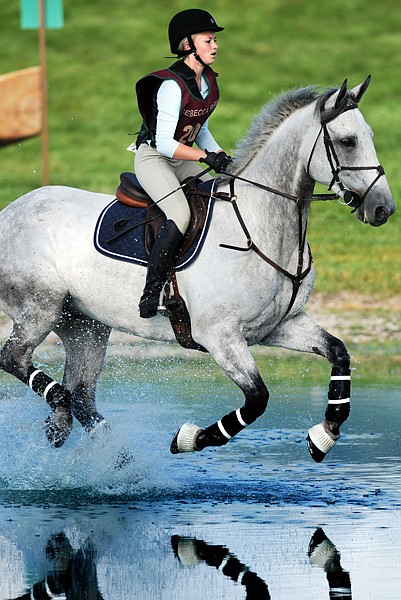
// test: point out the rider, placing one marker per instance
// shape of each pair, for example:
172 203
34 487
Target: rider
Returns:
175 105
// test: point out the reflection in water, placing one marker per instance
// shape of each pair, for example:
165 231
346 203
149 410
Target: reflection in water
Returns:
191 552
71 575
323 553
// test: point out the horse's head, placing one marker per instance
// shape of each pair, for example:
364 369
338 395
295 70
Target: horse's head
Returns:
344 157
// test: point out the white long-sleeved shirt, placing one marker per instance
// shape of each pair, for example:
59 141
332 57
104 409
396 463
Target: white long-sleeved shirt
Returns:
168 105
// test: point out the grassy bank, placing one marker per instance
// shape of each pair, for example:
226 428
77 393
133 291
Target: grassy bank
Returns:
105 47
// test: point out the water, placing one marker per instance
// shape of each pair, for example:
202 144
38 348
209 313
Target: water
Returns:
160 527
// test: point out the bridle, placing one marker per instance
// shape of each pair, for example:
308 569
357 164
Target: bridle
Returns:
348 197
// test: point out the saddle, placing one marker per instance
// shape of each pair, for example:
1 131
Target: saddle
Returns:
131 193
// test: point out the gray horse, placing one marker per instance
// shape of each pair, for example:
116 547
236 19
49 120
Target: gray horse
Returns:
53 279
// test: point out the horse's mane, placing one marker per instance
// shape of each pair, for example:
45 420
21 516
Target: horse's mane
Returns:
270 118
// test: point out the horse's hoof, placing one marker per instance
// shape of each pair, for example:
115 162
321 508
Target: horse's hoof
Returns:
55 434
173 445
315 453
184 439
319 442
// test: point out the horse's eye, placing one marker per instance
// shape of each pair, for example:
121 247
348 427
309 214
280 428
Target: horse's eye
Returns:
348 142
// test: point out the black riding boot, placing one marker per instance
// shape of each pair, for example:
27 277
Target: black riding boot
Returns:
160 261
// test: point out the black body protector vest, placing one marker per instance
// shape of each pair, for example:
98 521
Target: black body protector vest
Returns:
194 109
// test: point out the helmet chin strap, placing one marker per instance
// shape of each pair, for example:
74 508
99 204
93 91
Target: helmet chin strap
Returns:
194 51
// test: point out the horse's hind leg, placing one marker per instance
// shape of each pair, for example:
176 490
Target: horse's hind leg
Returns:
16 359
85 343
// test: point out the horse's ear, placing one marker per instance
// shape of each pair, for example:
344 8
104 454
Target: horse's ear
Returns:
341 94
335 99
358 91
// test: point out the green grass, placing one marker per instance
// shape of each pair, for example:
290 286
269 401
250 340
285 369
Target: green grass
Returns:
95 60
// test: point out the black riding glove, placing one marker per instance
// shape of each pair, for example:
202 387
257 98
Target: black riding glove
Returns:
219 161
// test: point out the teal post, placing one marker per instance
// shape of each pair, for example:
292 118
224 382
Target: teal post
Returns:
54 17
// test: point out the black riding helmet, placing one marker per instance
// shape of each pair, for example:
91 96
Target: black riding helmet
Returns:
187 23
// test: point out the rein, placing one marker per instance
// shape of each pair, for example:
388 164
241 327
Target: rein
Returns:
284 194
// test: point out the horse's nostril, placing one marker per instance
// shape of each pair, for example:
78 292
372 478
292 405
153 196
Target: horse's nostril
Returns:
381 213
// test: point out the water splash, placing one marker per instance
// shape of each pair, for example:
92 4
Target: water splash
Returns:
268 463
115 461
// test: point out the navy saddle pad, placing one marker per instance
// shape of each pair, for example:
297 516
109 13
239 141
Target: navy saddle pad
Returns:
130 246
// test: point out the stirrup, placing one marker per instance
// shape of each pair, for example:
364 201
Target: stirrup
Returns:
162 308
166 304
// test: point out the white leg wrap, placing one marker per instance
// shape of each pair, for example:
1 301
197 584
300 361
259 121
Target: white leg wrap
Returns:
223 431
32 377
321 438
240 419
48 388
186 437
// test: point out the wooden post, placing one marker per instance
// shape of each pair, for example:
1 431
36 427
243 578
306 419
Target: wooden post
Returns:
42 54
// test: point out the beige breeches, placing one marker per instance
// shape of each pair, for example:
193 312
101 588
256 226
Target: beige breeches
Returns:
159 175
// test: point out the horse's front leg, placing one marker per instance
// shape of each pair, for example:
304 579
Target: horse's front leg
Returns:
235 359
305 335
